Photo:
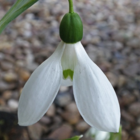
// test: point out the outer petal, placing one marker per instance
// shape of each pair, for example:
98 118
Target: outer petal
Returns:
40 90
94 95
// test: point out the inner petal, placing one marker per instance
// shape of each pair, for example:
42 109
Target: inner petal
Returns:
68 61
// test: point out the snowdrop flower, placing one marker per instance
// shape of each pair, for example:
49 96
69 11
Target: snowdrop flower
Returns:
98 135
70 65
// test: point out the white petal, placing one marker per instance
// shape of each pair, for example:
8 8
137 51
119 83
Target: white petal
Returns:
68 62
67 82
101 135
94 95
69 57
41 88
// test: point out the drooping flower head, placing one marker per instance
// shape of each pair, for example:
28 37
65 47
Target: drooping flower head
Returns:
70 65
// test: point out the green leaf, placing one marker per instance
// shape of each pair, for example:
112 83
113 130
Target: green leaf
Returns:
19 7
75 138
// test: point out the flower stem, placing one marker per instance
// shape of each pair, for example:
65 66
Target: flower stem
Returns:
71 10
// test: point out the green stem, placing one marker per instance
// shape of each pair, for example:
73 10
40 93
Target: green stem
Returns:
71 10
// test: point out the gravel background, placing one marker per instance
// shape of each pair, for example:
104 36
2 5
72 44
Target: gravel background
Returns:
112 40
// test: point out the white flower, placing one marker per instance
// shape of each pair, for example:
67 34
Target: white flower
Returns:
94 95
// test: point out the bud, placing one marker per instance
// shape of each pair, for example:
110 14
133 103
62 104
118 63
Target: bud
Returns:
71 28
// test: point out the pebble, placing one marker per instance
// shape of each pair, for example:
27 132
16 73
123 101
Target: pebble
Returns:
63 98
132 69
2 102
5 46
112 78
63 132
121 81
7 95
104 65
136 132
10 77
45 120
95 40
13 104
51 111
71 114
134 109
134 43
24 75
118 45
63 89
58 120
127 116
3 86
82 126
124 135
128 98
35 131
6 66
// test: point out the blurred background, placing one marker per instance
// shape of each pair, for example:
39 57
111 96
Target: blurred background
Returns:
112 40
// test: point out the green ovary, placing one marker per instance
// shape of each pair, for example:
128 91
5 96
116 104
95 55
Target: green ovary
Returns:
68 73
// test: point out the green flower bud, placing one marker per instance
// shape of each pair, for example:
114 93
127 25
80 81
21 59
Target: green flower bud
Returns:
71 28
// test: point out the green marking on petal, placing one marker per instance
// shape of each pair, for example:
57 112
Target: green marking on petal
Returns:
68 73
